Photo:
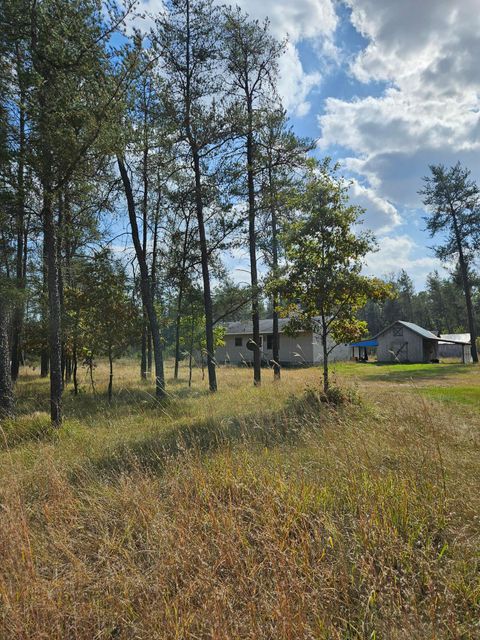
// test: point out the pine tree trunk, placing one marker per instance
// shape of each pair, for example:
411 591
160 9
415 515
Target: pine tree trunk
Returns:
207 294
467 291
146 290
68 370
6 390
44 363
75 369
177 332
275 329
149 353
470 315
44 355
143 358
54 306
110 379
252 242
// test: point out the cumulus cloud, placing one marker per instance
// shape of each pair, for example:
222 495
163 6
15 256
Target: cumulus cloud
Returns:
300 20
401 252
427 54
380 214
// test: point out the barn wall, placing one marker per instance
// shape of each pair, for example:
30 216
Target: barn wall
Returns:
455 351
388 342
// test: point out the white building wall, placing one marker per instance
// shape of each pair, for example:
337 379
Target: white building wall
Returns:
305 348
339 353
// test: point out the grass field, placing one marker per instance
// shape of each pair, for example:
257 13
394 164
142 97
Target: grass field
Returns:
256 513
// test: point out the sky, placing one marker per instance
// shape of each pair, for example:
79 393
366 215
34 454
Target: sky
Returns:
386 87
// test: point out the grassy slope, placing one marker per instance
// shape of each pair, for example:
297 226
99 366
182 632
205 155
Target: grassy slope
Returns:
256 513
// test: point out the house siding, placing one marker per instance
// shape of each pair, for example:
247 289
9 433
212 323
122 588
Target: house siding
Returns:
305 348
298 350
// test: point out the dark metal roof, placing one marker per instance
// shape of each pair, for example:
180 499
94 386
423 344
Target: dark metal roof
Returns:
365 343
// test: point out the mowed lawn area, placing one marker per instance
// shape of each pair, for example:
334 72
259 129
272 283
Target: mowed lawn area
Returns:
448 381
257 513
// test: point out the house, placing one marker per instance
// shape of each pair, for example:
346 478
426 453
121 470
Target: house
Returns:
304 348
408 342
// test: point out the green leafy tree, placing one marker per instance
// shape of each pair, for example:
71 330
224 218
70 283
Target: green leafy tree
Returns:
106 320
453 200
322 287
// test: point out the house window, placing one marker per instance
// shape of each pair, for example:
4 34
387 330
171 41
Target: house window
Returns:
238 341
398 331
269 342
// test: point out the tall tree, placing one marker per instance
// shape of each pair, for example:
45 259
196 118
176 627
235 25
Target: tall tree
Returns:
282 154
73 96
145 281
252 59
6 390
187 36
453 199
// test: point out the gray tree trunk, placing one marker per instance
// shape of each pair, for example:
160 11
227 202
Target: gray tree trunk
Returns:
6 390
146 289
55 310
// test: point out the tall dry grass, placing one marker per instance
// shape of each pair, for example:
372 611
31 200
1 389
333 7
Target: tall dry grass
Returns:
283 520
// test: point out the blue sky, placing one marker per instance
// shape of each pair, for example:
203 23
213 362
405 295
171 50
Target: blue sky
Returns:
387 87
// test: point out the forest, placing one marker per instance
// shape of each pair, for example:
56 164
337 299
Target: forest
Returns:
146 489
132 164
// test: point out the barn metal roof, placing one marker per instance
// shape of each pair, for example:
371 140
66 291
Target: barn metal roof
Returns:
413 327
455 338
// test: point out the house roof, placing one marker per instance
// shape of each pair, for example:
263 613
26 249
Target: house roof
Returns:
245 327
425 333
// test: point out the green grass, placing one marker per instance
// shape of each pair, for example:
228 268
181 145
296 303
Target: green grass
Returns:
255 513
455 394
403 372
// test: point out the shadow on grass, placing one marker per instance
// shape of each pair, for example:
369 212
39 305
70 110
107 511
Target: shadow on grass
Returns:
153 452
90 405
22 430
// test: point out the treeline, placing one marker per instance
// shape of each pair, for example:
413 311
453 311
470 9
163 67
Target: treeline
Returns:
439 307
173 143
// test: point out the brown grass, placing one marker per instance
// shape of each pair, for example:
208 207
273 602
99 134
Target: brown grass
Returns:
261 514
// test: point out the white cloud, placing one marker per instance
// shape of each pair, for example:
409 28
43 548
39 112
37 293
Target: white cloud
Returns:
380 214
401 252
299 19
427 54
295 84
